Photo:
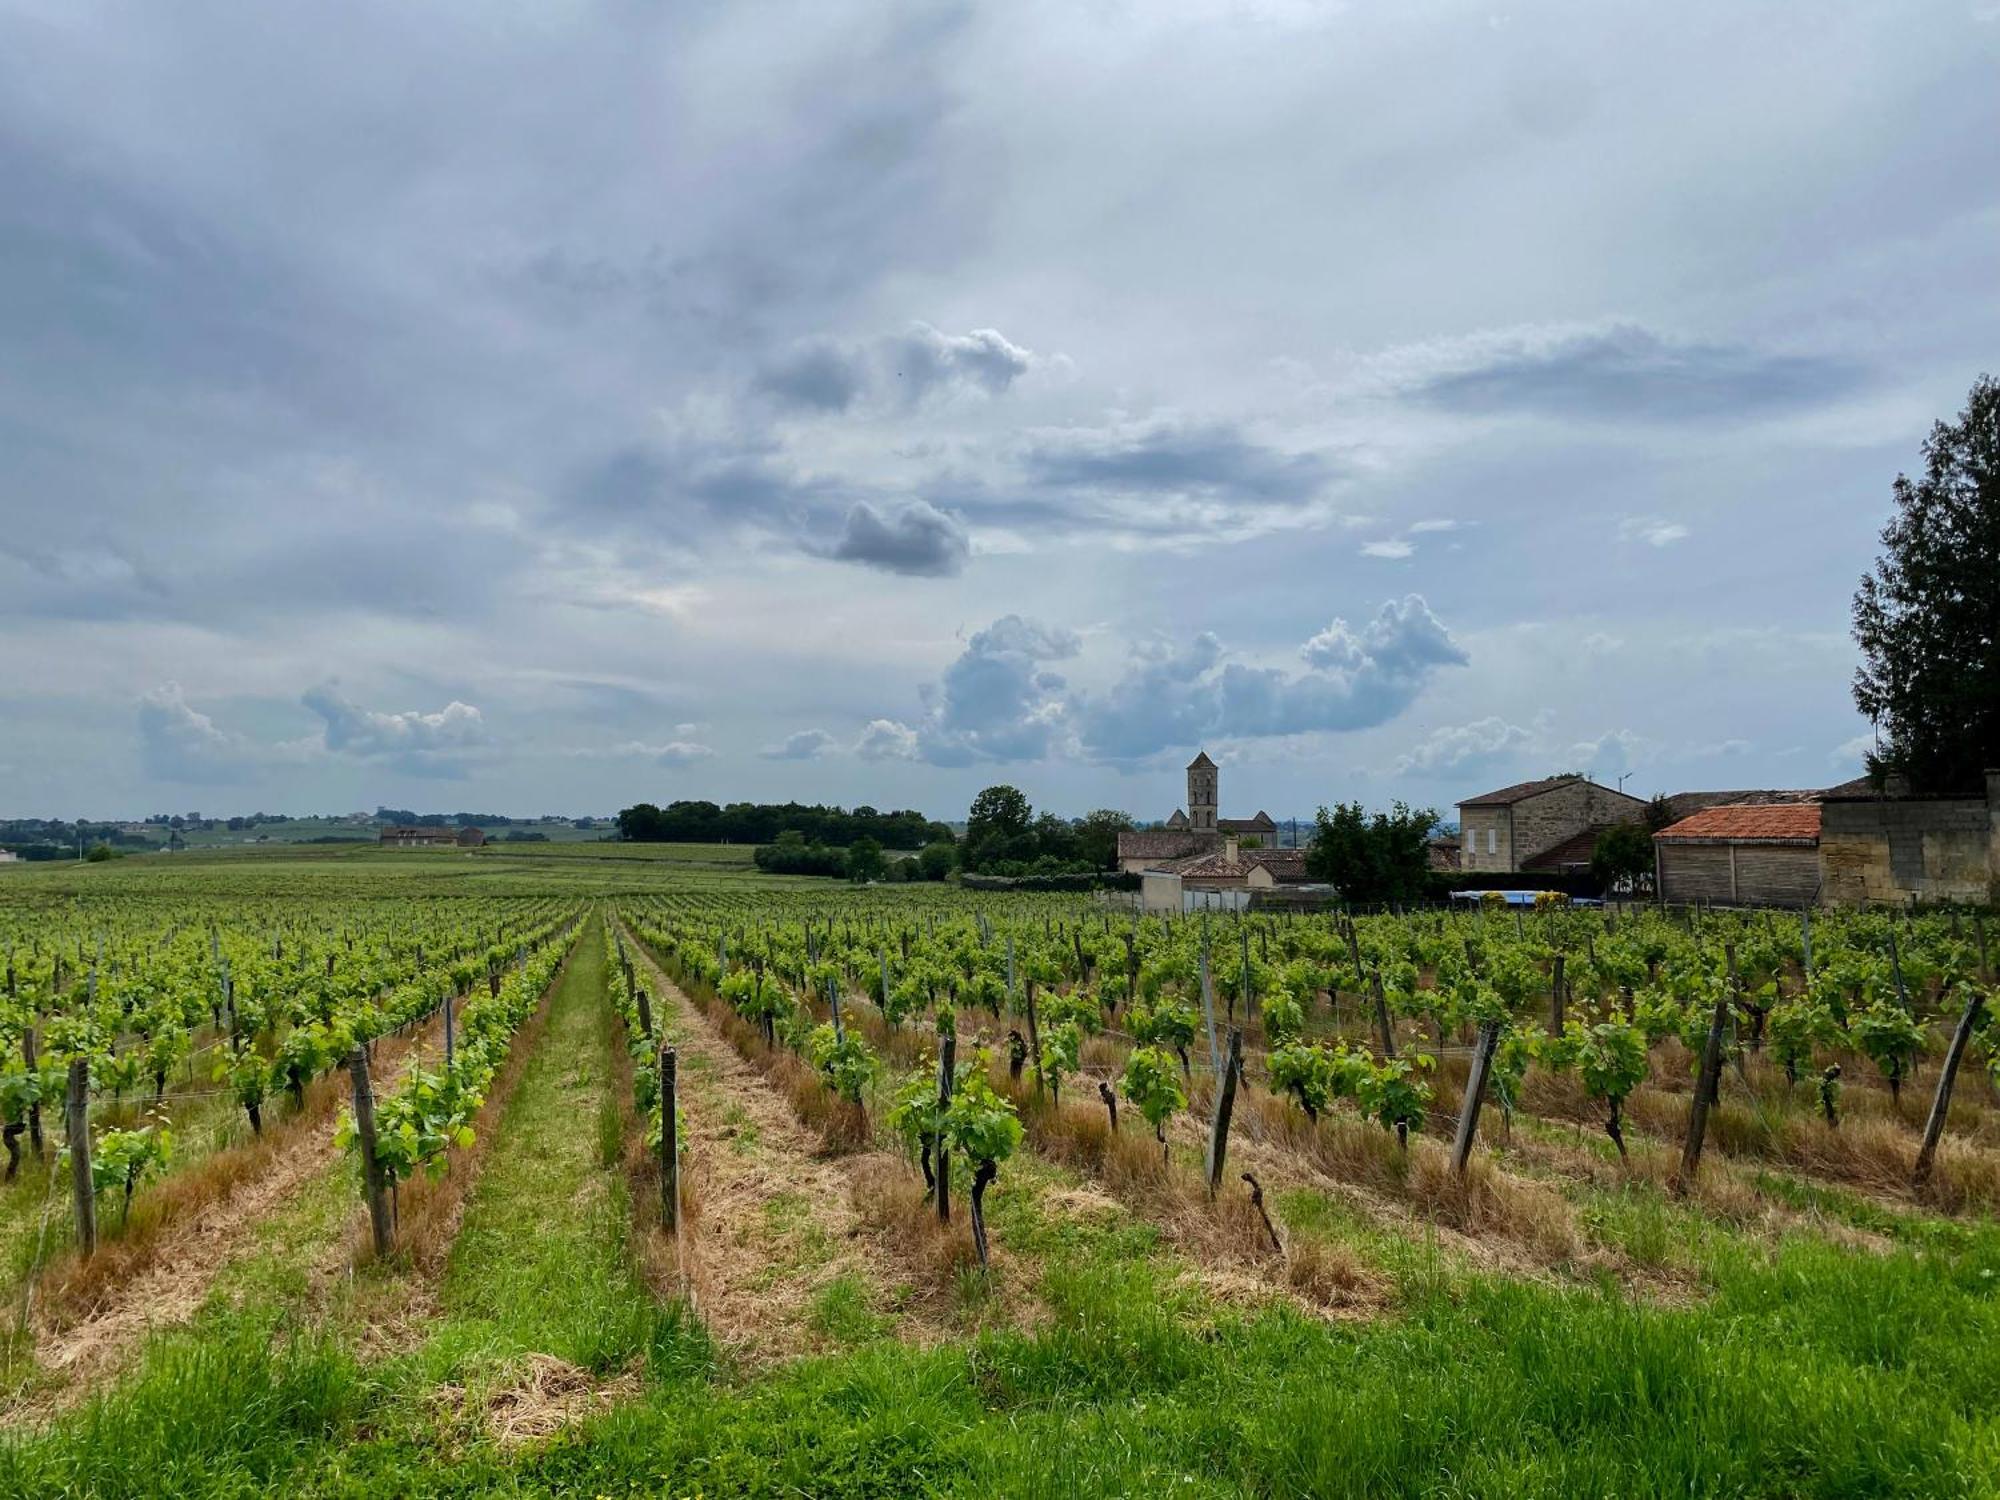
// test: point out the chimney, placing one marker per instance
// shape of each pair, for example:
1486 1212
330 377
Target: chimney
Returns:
1231 848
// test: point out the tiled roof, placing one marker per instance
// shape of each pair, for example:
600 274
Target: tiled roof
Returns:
1521 791
1287 866
1687 804
1774 823
1260 824
1574 850
1201 759
1164 843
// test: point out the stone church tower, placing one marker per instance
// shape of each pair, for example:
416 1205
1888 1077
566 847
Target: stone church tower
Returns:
1203 797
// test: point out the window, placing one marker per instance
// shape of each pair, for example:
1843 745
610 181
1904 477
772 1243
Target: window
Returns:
1492 841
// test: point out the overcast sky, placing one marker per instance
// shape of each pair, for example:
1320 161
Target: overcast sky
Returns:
543 407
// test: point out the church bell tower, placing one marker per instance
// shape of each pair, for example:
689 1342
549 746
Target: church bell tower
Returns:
1202 795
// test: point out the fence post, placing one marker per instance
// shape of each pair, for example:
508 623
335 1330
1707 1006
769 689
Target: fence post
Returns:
450 1001
1382 1026
1034 1037
1225 1105
670 1144
645 1002
1947 1076
1475 1094
76 1128
947 1071
371 1168
833 1003
35 1109
1706 1085
1557 996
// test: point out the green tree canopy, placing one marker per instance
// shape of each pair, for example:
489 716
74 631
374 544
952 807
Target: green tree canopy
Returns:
1623 852
1378 858
1927 618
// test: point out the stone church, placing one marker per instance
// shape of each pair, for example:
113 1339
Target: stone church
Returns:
1198 830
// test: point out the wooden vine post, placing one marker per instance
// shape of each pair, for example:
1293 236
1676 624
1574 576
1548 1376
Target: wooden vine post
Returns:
371 1167
1707 1083
76 1128
35 1109
670 1144
1475 1094
1556 997
1382 1026
1947 1076
1034 1043
947 1071
645 1003
1225 1105
450 1001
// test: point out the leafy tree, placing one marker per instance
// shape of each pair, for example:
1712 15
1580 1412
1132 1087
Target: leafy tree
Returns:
864 861
1097 836
1927 618
999 827
1623 852
1381 858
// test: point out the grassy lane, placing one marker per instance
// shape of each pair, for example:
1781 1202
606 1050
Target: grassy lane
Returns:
541 1263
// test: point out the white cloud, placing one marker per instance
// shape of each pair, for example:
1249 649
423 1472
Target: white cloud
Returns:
1611 754
886 739
1462 747
1392 548
441 743
180 743
1654 531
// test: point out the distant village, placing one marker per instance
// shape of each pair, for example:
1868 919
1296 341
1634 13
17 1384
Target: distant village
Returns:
1851 844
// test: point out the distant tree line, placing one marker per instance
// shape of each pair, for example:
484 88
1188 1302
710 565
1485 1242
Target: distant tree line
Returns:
763 823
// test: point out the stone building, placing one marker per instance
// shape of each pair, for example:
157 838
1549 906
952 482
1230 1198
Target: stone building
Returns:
1511 829
418 838
1892 847
1763 855
1199 830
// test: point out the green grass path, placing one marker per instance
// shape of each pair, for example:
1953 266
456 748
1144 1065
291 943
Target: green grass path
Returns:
541 1262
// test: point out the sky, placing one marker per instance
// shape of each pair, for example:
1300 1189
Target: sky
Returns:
546 407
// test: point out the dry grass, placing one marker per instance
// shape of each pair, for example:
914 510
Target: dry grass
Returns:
1326 1274
544 1396
890 1200
74 1289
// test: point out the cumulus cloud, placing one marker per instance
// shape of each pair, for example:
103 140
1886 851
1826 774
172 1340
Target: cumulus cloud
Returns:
1617 372
998 700
806 744
927 360
1611 754
180 743
1462 747
918 540
1393 548
1654 531
886 739
1354 679
444 743
677 753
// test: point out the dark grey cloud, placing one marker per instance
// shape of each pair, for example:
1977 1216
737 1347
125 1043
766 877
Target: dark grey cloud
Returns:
819 374
1629 373
805 744
917 539
827 375
1206 459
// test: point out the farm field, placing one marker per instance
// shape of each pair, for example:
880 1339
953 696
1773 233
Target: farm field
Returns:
1812 1308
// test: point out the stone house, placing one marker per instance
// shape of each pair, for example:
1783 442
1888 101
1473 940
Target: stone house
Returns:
1762 855
1510 829
417 838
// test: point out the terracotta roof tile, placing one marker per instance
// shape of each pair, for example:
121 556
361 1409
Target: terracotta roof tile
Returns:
1782 822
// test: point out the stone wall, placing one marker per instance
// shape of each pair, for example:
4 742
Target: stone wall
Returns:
1528 827
1893 849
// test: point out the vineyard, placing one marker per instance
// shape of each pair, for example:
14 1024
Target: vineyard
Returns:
505 1172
